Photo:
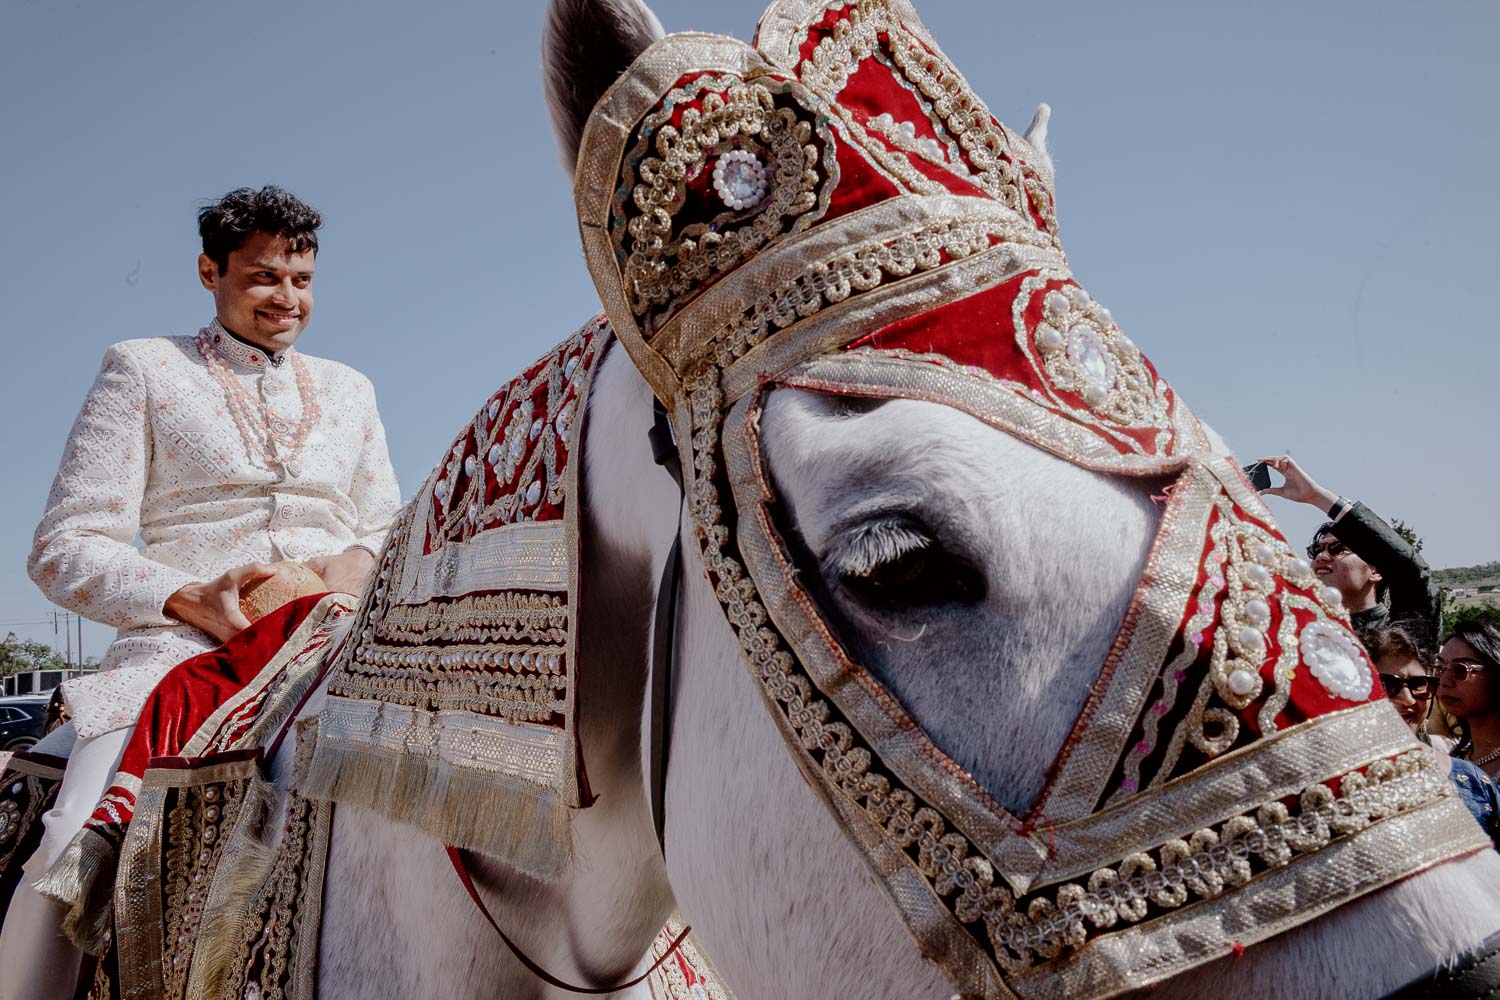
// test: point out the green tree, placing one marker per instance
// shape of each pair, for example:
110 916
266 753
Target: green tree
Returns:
1404 530
1454 616
18 656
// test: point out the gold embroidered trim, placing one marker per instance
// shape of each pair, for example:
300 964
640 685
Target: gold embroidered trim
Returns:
997 168
275 957
860 269
658 266
1206 863
194 840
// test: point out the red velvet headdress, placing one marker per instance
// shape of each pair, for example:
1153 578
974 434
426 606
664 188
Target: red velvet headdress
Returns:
834 209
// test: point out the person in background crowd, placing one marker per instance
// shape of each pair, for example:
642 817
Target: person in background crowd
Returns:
1469 688
1403 663
1379 573
57 712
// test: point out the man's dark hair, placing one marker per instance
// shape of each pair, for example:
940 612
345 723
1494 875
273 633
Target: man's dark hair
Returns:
1325 530
1484 636
226 223
1405 639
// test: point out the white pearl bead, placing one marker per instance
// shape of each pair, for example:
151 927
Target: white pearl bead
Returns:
1077 296
1258 612
1055 305
1095 395
1332 597
1301 567
1242 682
470 465
1265 554
1250 637
1049 338
1257 574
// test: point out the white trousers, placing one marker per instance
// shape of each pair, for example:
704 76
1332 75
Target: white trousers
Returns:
37 961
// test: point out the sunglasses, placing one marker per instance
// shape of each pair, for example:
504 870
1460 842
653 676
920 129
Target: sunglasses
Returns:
1420 685
1333 547
1461 670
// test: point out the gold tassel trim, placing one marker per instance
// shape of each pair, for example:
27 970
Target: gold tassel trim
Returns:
517 821
83 881
238 880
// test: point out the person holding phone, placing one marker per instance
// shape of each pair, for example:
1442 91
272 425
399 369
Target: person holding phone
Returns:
1379 574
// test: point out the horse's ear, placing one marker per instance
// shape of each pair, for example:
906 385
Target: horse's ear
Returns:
1036 132
586 46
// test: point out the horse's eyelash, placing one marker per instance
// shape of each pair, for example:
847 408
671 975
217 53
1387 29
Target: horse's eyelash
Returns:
862 550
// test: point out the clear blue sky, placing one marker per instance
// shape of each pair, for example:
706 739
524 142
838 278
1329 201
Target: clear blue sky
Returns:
1291 206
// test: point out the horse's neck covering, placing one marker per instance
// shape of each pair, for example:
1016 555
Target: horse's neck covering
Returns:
453 710
835 210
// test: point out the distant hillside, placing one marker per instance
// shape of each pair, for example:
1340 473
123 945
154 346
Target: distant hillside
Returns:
1483 575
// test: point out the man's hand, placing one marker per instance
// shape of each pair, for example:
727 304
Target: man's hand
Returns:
347 572
214 606
1299 486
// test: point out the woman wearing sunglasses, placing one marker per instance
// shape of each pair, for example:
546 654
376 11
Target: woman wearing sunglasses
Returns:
1469 688
1402 663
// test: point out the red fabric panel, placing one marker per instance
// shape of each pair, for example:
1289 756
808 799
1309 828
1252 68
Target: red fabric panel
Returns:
195 688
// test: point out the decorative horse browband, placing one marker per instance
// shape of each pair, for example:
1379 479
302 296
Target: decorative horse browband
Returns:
834 210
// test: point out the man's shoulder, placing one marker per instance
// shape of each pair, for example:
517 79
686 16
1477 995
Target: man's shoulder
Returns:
144 347
147 353
327 368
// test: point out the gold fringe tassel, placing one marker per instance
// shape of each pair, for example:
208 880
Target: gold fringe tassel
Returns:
83 880
241 874
516 821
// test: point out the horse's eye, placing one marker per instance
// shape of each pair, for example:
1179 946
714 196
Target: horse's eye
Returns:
896 564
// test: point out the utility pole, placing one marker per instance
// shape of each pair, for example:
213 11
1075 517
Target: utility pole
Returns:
80 641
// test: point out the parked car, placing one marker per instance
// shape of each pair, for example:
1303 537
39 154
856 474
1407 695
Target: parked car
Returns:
22 721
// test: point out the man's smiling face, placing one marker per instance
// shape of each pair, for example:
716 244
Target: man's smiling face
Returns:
265 293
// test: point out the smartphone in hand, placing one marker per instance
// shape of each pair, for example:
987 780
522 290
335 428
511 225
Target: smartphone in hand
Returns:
1259 475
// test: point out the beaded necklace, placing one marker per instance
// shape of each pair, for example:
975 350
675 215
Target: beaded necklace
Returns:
263 432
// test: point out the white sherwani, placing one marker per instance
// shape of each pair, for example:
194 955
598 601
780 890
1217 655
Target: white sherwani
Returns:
156 452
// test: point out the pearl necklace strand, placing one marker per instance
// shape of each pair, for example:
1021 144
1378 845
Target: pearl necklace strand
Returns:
260 429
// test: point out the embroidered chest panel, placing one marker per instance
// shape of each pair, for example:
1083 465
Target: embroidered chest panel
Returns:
461 678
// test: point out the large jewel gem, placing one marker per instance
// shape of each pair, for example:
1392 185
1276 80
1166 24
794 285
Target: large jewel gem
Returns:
739 179
1090 358
1335 661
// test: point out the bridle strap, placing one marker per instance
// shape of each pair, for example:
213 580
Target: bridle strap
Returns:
664 630
456 857
663 639
1478 976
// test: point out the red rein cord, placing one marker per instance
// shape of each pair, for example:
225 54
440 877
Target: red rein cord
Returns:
455 856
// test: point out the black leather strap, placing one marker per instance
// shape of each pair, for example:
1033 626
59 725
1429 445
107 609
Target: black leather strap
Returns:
664 631
1476 976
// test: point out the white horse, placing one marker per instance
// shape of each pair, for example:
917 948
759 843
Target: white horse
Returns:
979 578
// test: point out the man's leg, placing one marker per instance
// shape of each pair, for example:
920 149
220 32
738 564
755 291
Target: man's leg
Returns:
37 961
